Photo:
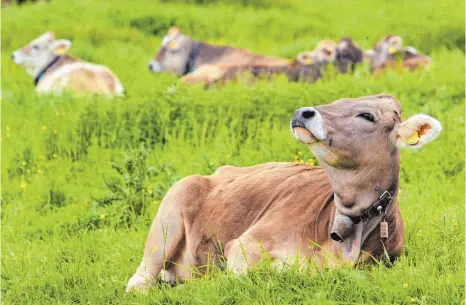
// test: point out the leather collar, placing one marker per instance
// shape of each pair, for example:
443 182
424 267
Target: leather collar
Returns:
379 207
43 71
192 58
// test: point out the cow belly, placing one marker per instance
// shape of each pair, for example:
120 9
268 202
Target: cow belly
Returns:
81 78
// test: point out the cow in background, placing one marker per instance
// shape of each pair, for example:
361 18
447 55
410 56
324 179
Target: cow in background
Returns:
308 66
389 52
54 70
195 61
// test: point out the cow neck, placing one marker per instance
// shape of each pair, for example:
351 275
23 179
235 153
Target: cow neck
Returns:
42 72
192 58
378 207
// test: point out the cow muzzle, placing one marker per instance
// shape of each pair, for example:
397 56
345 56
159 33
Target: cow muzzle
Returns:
307 125
155 66
17 58
343 227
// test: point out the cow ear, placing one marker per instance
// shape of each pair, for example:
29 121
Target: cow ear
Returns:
305 57
394 44
61 46
417 131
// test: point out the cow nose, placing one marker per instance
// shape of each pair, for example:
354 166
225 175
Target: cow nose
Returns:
151 67
13 56
308 113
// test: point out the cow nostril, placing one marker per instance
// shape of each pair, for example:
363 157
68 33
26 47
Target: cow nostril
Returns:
13 56
307 114
151 67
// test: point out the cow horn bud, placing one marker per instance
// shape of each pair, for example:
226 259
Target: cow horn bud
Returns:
343 227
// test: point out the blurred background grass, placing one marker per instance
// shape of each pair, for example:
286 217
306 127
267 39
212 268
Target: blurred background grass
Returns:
82 177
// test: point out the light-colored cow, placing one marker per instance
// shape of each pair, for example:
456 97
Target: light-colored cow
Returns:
54 70
332 214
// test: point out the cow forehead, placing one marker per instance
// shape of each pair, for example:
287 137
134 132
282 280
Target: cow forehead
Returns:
173 32
42 38
383 103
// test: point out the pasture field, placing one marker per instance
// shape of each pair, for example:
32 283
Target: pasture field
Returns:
82 177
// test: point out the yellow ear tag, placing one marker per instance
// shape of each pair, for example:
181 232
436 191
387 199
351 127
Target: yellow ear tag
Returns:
413 139
391 50
173 44
308 61
60 50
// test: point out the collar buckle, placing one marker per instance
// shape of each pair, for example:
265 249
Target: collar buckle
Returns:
386 195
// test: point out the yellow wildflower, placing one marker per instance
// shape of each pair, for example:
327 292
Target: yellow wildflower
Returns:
44 127
405 285
54 155
300 153
413 300
23 186
55 131
102 216
24 163
7 127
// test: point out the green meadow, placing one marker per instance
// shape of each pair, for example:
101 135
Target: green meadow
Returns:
82 177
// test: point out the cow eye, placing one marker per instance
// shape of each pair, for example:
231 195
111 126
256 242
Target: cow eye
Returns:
367 116
35 47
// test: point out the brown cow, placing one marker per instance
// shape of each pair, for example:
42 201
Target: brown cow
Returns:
330 214
55 71
389 51
196 61
308 66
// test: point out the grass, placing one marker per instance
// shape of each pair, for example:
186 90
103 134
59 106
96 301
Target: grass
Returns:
82 177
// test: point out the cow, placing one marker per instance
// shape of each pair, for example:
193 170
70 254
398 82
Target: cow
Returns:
308 66
389 51
54 70
344 212
198 62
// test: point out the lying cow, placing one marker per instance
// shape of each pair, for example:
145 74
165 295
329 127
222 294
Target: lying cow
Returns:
309 66
343 212
389 51
55 71
181 55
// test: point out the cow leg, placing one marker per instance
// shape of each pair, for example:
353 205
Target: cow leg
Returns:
165 236
242 253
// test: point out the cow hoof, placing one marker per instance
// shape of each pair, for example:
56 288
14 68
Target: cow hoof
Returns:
168 277
138 283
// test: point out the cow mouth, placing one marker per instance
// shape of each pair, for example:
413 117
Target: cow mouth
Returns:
302 134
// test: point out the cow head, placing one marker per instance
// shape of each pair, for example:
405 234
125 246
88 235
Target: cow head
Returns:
357 142
40 52
325 51
173 55
348 54
384 51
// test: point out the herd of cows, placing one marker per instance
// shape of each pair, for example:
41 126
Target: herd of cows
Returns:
345 211
47 60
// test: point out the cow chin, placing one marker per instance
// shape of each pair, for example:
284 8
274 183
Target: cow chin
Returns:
303 135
